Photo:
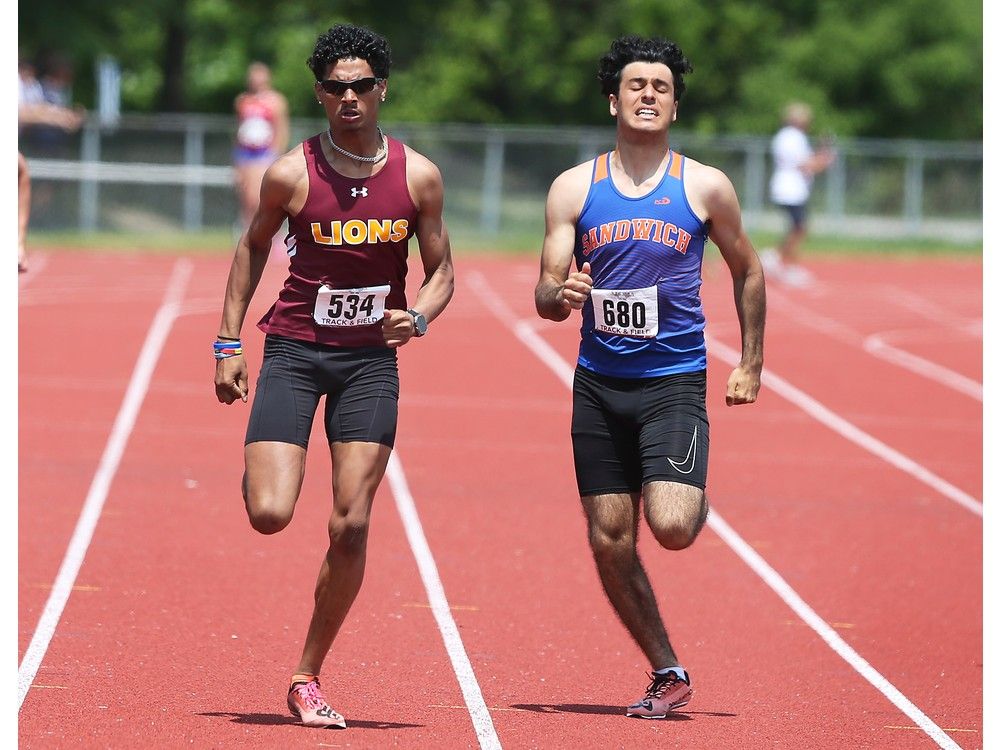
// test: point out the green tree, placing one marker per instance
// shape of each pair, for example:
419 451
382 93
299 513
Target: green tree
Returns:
911 68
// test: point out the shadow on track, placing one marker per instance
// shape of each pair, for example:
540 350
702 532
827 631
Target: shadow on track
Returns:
584 708
281 719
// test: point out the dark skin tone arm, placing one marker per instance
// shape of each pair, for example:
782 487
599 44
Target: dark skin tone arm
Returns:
427 190
282 181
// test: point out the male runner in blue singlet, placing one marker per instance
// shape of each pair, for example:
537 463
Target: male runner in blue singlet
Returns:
635 222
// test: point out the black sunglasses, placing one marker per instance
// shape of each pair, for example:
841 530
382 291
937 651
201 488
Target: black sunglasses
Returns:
339 88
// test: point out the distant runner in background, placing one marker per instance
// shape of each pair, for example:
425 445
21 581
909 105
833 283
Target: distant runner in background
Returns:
261 135
795 164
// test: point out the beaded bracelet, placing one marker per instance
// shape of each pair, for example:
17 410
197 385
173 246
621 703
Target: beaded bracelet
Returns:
227 349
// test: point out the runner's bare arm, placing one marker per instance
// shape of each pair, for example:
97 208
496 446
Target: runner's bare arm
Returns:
281 182
559 292
716 194
427 190
819 161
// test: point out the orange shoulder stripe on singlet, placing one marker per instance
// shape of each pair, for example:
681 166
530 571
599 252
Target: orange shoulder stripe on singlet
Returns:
601 168
676 161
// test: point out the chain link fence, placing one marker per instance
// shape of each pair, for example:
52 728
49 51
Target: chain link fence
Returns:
171 173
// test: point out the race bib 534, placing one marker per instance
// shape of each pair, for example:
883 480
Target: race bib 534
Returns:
350 307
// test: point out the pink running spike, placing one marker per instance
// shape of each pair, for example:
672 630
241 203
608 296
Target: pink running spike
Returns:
306 701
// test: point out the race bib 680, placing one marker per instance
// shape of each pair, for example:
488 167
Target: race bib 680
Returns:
626 312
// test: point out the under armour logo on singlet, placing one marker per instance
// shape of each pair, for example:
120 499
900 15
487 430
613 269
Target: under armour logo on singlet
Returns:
363 192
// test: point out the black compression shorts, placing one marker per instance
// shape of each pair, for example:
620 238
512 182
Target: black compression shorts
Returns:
361 386
628 432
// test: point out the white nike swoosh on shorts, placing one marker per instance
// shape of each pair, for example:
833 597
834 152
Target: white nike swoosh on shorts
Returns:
692 454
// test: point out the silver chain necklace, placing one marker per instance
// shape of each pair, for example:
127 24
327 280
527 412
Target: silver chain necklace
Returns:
379 155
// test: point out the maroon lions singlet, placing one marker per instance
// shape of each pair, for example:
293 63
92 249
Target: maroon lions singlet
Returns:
347 253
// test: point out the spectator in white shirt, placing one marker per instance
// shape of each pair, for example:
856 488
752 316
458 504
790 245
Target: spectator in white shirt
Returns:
795 164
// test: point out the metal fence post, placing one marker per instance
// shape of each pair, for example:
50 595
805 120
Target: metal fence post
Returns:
756 166
492 192
194 156
836 188
913 190
90 153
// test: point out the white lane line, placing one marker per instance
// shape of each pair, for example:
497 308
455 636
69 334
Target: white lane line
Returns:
878 346
928 308
541 349
101 484
845 429
827 633
564 372
903 298
460 663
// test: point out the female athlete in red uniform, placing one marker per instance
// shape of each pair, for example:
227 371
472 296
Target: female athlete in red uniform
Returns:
261 134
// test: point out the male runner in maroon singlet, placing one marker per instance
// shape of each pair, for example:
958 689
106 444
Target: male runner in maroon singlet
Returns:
353 197
634 223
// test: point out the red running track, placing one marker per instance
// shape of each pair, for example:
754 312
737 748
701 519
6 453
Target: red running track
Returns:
183 624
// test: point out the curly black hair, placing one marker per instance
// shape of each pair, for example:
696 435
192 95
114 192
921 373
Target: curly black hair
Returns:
630 49
345 41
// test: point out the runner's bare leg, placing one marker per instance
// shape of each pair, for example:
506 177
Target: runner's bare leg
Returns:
358 469
613 522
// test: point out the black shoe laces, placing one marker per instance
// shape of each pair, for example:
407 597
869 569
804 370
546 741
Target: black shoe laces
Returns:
661 683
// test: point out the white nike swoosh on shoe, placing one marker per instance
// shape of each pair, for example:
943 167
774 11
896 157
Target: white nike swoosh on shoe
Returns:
690 457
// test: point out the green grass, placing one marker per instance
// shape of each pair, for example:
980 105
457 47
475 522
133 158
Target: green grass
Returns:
822 245
222 241
518 240
209 241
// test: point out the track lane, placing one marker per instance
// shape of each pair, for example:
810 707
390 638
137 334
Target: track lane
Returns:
76 350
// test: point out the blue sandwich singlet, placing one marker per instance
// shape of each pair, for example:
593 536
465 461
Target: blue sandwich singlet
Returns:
644 316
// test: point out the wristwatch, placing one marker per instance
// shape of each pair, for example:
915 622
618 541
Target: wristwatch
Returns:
419 323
